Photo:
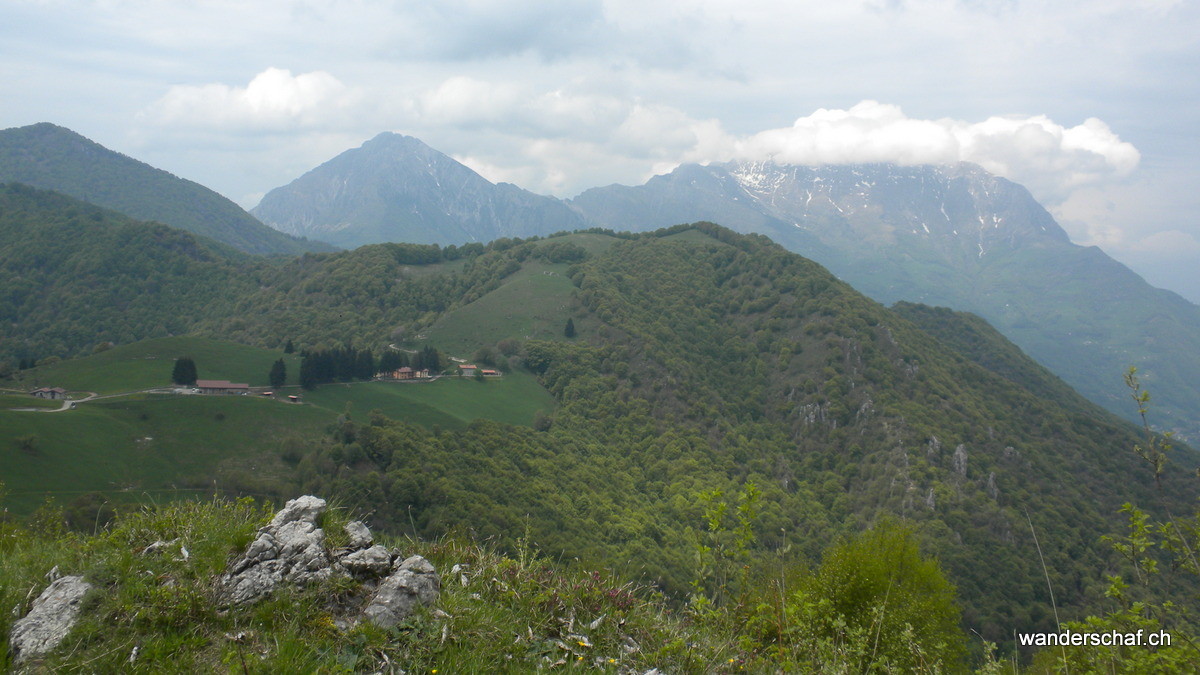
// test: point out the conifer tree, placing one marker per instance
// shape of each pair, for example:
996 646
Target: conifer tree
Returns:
184 371
570 329
278 375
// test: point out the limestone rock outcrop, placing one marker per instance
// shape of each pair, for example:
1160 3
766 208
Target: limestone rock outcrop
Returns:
359 534
291 548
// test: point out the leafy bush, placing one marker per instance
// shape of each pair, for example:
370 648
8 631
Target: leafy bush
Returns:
875 604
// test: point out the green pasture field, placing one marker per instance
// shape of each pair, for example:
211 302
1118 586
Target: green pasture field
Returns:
692 236
148 363
434 269
448 402
593 243
533 303
140 446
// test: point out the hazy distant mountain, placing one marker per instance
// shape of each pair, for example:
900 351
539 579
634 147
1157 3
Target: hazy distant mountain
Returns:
53 158
396 188
954 236
76 275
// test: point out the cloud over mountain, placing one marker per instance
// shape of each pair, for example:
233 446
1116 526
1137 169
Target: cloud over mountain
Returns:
1049 158
273 99
570 137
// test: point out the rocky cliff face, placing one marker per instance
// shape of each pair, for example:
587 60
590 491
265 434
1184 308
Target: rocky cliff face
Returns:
396 188
959 211
958 214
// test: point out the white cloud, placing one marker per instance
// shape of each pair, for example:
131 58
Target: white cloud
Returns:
464 101
562 140
273 100
568 138
1050 159
1170 243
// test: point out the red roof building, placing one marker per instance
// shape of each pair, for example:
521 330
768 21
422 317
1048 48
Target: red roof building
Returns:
221 387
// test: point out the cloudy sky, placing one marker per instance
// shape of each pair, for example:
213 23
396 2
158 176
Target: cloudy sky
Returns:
1092 104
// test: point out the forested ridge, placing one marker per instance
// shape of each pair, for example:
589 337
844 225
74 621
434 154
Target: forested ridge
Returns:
77 275
708 361
707 369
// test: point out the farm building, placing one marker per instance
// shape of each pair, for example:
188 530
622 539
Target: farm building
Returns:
407 373
55 393
221 387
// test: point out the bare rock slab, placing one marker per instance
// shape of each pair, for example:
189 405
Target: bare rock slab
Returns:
50 619
371 562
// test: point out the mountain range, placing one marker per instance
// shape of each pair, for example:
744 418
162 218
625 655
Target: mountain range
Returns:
953 236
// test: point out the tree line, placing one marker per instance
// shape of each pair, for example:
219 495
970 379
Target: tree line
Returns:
348 363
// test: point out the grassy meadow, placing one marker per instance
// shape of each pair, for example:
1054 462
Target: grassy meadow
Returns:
532 304
148 363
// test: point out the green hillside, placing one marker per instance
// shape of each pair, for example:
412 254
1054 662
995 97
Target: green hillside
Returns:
532 303
978 341
148 448
147 364
152 608
450 402
53 158
708 361
75 276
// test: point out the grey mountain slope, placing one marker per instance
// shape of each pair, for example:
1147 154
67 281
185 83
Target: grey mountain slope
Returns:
953 236
50 157
396 188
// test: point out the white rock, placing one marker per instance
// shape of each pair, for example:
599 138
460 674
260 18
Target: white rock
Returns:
291 548
51 618
413 584
305 509
360 535
374 561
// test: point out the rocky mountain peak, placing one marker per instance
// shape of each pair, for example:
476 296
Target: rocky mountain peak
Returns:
397 188
962 205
